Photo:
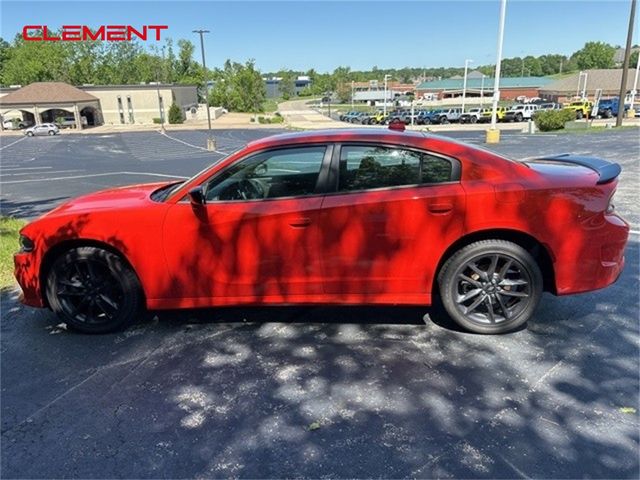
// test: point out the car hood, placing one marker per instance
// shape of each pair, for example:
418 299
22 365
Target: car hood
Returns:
114 198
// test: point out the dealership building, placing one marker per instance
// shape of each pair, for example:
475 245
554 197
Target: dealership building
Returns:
91 105
482 86
605 81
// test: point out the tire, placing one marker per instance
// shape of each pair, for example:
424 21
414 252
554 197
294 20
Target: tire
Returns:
444 120
473 119
426 121
93 290
579 115
499 309
51 133
518 117
608 113
29 134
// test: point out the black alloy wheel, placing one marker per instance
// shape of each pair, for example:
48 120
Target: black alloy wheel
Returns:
491 286
93 290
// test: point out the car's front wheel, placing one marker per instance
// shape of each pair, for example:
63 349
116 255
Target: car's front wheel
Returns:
93 290
490 286
29 134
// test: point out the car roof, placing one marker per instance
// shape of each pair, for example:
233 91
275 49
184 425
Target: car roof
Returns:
340 135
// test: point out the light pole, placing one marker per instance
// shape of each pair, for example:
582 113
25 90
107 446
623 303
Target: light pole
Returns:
160 106
625 65
211 144
582 94
482 90
464 83
493 135
352 86
384 105
634 91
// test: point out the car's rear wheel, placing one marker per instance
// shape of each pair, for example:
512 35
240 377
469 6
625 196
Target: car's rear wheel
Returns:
473 119
519 117
444 120
490 286
579 114
29 134
93 290
51 133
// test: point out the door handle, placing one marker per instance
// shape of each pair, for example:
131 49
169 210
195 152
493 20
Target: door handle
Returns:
300 222
440 208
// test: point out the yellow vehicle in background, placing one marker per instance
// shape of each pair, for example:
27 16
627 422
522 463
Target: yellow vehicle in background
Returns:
581 107
485 116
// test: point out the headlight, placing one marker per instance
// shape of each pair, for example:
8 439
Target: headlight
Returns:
26 244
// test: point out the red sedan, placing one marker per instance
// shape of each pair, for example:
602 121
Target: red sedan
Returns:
341 217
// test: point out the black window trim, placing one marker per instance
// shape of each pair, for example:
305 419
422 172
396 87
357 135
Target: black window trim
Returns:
335 167
321 187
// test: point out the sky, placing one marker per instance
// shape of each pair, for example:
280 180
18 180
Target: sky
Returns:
323 35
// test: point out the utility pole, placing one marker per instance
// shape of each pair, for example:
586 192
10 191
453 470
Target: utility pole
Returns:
464 83
211 144
493 134
384 105
634 92
625 65
352 89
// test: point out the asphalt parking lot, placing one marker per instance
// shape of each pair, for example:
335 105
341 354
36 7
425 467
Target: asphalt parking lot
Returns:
313 392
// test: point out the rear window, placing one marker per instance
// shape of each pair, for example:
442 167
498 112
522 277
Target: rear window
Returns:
370 167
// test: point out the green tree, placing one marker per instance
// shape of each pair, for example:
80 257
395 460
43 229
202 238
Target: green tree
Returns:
633 59
238 88
287 84
175 114
594 55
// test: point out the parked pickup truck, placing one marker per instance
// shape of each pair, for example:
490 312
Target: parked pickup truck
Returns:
472 116
609 107
518 113
447 115
486 115
581 107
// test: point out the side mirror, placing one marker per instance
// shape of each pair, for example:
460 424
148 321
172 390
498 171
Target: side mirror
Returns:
196 196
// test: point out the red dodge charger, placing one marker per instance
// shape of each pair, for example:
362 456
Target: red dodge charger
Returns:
342 217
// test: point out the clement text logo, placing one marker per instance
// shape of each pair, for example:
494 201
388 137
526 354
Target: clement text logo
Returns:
79 33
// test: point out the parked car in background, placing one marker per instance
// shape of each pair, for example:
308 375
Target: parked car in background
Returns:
550 106
429 116
357 117
519 113
447 115
485 117
345 116
471 116
66 122
15 124
377 118
42 129
608 108
582 108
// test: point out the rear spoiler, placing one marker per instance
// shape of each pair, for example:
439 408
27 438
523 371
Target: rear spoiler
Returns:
607 171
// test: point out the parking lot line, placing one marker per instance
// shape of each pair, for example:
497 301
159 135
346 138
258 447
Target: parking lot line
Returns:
190 144
13 143
25 168
55 172
177 177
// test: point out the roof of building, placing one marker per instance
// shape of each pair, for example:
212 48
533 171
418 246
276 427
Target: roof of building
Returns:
475 74
618 56
511 82
46 92
608 80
